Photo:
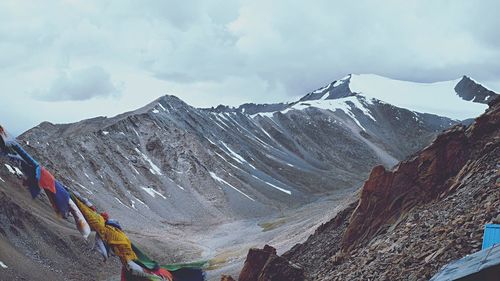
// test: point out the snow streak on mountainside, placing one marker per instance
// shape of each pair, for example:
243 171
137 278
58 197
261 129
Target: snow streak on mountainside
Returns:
169 162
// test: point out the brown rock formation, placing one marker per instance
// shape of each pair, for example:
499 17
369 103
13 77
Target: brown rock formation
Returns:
265 265
324 243
280 269
422 178
256 259
386 194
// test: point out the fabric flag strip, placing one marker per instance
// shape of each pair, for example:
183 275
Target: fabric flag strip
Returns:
19 150
114 237
30 166
180 271
47 181
81 223
59 199
101 247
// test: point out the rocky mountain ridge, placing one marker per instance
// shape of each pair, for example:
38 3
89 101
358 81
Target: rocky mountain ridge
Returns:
175 163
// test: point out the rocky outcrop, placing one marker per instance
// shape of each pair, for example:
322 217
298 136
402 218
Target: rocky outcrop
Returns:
324 244
430 173
250 108
255 262
280 269
430 235
388 194
265 265
472 91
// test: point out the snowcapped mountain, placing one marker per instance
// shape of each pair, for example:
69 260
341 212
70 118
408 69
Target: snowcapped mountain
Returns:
172 163
448 98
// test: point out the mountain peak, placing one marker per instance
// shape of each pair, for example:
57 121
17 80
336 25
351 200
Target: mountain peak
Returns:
335 90
169 99
470 90
166 103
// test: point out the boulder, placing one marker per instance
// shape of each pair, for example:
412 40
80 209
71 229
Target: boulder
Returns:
265 265
256 259
279 269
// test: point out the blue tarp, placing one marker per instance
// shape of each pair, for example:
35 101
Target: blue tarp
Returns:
491 235
480 266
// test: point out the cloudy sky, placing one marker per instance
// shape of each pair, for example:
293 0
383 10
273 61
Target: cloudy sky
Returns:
64 61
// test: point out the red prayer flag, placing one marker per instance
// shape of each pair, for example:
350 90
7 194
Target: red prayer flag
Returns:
47 180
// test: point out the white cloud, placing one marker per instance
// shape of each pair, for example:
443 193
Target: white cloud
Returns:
79 85
225 51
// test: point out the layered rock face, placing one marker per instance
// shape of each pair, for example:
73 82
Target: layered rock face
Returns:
426 212
388 194
432 172
265 265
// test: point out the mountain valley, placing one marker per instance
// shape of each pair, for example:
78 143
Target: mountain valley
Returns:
210 183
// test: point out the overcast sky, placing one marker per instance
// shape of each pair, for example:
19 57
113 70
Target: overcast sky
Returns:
64 61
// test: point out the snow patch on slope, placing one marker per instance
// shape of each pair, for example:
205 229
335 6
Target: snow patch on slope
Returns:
162 107
437 98
344 104
272 185
12 171
153 192
86 189
263 114
217 178
321 89
119 201
18 172
154 169
238 158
